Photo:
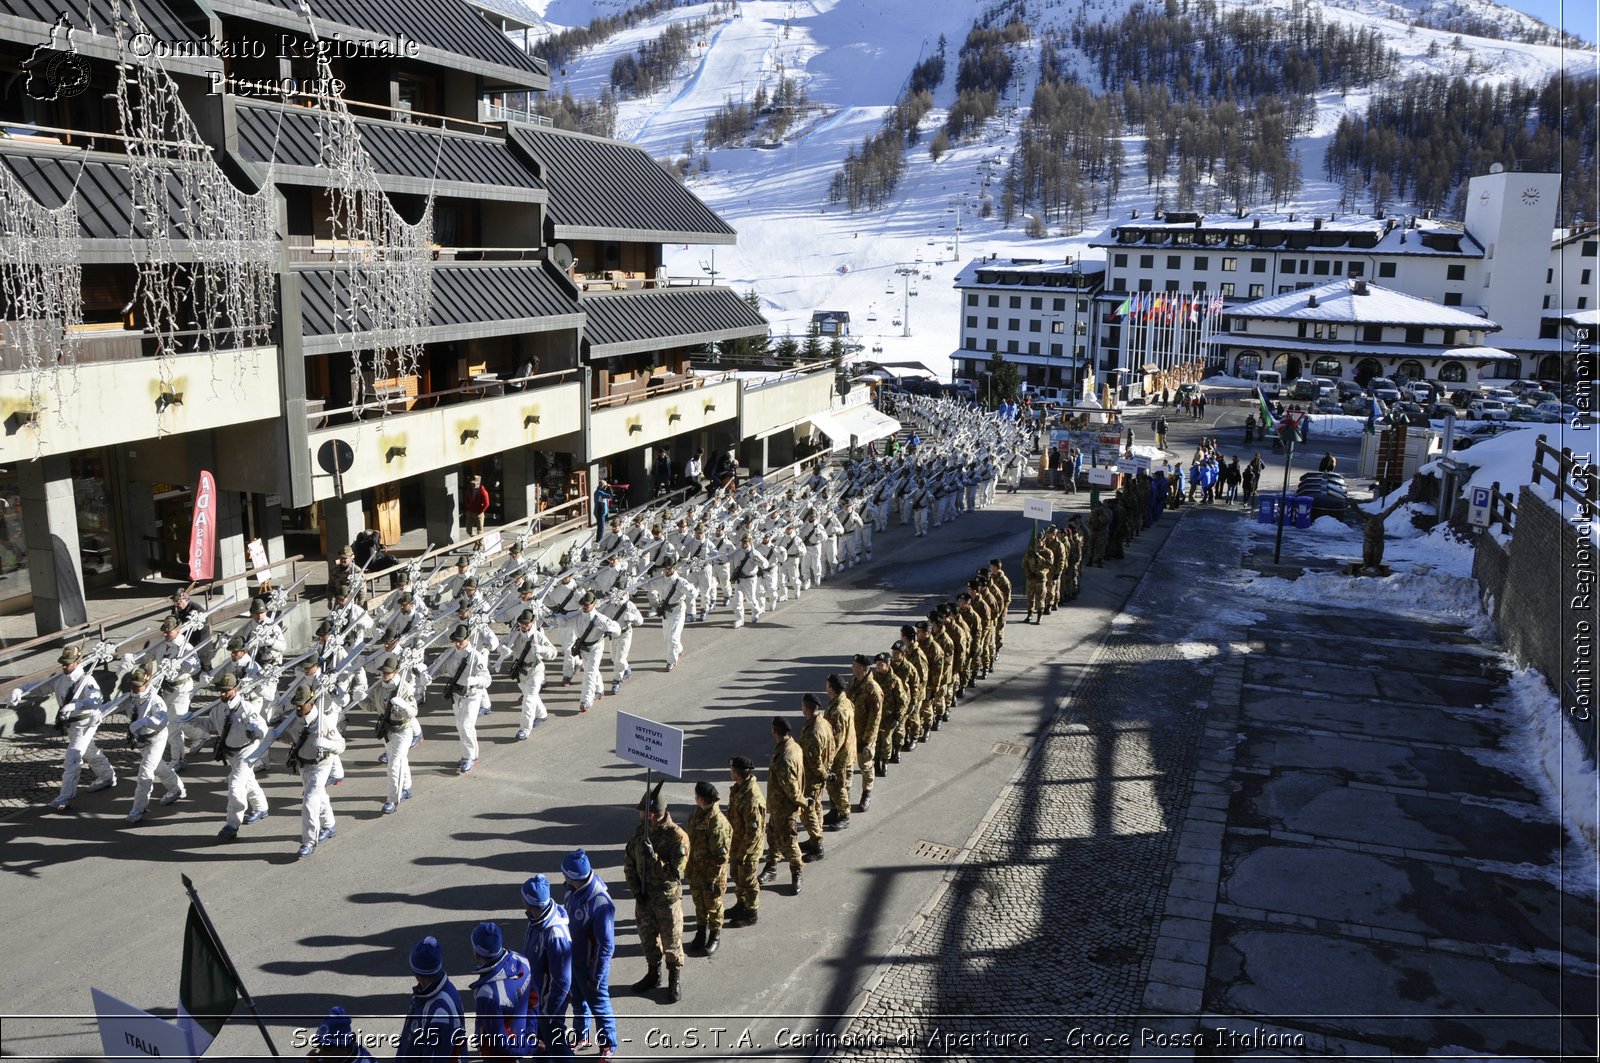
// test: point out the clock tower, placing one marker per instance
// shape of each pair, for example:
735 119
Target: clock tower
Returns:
1512 215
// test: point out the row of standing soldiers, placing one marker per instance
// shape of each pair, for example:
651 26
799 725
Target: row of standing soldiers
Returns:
1053 566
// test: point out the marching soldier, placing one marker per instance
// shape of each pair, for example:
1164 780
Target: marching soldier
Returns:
710 843
896 702
747 564
819 746
1002 585
789 795
239 665
147 727
468 669
1072 579
527 651
395 702
626 616
672 595
562 604
199 635
938 662
747 815
867 698
314 741
1099 525
653 864
239 729
176 663
911 665
79 712
586 632
1058 565
593 918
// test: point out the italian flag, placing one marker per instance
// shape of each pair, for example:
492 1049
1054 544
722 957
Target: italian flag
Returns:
207 988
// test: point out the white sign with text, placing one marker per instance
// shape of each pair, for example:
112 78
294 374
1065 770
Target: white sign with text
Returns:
652 745
1037 508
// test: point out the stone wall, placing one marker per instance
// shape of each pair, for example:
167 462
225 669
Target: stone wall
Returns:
1542 594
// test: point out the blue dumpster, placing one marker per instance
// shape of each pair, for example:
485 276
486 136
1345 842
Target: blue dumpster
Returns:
1267 509
1302 510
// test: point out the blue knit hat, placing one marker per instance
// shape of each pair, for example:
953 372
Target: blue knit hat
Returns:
335 1030
576 866
427 957
536 892
486 940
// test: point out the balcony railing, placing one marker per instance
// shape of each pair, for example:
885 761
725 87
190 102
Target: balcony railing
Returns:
318 249
100 343
395 399
488 111
623 394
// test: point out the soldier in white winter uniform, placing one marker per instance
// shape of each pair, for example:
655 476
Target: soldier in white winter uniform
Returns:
79 712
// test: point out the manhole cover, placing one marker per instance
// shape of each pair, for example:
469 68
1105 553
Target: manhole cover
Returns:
939 854
1010 749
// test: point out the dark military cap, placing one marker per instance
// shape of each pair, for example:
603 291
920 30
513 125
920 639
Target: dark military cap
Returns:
235 643
861 659
461 633
390 664
228 682
742 765
169 624
882 658
707 792
525 617
301 696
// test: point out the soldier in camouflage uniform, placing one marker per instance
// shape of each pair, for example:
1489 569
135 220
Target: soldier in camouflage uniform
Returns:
896 703
1099 528
818 744
710 842
1036 570
955 676
914 672
937 649
1002 594
1129 521
747 814
974 609
787 794
841 715
1073 579
653 864
867 697
1058 566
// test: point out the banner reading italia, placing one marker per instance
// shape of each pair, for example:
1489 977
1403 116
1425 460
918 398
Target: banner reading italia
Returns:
203 535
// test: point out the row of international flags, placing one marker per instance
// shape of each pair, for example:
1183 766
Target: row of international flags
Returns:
1168 306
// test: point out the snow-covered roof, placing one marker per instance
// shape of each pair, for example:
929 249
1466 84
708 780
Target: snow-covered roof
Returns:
1302 235
1027 272
1360 303
1563 237
1581 317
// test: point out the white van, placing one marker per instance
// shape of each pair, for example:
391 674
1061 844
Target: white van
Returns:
1270 381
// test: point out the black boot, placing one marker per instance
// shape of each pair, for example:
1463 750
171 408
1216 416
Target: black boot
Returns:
810 845
879 769
812 857
674 989
794 886
894 758
651 979
711 941
699 941
866 802
769 871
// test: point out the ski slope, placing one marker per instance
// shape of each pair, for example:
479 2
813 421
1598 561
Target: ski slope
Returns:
800 253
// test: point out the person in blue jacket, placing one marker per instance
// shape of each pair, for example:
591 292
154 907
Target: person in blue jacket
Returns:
500 998
548 948
336 1039
434 1028
593 920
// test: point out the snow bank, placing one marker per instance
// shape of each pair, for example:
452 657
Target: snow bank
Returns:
1553 759
1334 426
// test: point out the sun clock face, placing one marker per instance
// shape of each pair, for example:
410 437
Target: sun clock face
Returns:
1530 196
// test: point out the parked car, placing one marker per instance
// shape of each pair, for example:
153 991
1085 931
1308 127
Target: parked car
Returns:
964 389
1327 385
1462 398
1384 388
1361 405
1488 410
1348 389
1556 412
1438 411
1407 413
1519 387
1534 398
1470 432
1270 381
1327 404
1501 395
1524 413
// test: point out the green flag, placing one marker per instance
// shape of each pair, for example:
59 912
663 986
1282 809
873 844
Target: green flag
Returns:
207 990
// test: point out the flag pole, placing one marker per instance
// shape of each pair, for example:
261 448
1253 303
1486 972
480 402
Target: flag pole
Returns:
1283 501
233 972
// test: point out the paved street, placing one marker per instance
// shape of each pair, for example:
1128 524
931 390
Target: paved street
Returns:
336 929
1172 799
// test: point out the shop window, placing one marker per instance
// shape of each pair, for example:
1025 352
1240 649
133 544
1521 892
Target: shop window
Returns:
1327 367
1453 373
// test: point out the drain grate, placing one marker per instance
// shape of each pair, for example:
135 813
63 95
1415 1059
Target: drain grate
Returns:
1010 749
939 854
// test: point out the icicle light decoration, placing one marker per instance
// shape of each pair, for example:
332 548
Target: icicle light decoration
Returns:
385 285
41 283
222 296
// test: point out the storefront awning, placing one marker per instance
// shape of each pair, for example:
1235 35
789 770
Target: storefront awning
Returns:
863 422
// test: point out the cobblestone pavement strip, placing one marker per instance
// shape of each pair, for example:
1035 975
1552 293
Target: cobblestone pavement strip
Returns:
1230 841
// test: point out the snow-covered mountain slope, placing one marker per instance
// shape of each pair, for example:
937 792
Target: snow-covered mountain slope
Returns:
802 253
